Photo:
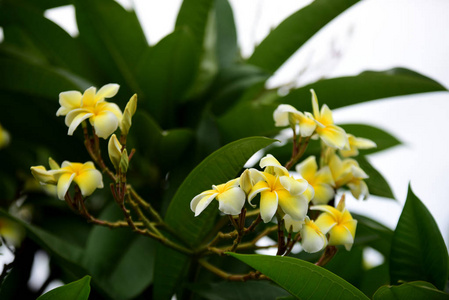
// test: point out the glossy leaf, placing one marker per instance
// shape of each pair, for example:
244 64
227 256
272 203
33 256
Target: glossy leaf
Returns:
121 262
347 264
373 234
418 251
415 290
165 73
377 184
374 278
226 34
77 290
251 290
294 31
219 167
114 37
300 278
194 15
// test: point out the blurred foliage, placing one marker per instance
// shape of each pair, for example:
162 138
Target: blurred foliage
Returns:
196 95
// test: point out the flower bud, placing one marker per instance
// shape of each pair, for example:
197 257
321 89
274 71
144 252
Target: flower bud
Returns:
130 110
124 161
115 151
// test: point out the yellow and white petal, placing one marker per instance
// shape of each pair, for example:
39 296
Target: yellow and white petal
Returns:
307 125
245 181
357 172
313 240
53 164
270 161
88 98
231 201
268 205
333 136
359 189
293 225
340 235
259 187
295 206
105 123
64 182
324 175
316 108
309 193
326 222
76 118
326 116
281 115
201 201
107 91
68 100
323 194
44 176
294 186
307 168
114 151
112 107
88 181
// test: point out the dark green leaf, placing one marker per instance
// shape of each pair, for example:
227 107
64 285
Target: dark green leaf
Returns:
373 234
165 73
294 31
120 261
347 264
173 145
375 278
251 290
77 290
418 251
219 167
377 184
416 290
367 86
114 37
227 48
300 278
383 139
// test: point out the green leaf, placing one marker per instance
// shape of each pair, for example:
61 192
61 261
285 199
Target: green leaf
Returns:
115 39
367 86
77 290
348 264
165 73
120 261
373 234
294 31
193 15
219 167
226 34
377 185
383 139
251 290
300 278
418 251
375 278
415 290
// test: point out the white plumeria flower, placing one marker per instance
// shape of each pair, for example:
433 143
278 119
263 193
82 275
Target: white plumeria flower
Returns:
292 225
230 197
321 180
312 237
331 134
287 115
271 165
103 116
355 143
84 175
348 172
249 178
115 151
338 222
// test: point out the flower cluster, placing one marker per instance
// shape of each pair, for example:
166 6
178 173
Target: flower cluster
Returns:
291 196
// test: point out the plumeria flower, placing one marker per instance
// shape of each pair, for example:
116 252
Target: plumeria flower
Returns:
292 225
287 115
102 115
282 191
331 134
356 143
248 179
84 175
4 137
272 166
230 197
348 172
312 237
338 222
321 180
115 151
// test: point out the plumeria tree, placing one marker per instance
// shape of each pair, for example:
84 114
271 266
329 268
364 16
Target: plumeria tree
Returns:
156 196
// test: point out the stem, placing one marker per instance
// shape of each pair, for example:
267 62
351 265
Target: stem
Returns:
232 277
281 240
327 256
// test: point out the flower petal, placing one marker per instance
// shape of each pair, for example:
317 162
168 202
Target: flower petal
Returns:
307 125
323 194
316 109
340 235
294 205
326 116
268 205
283 114
270 161
75 118
107 91
313 240
257 188
333 136
231 201
88 181
326 222
105 123
307 168
293 224
64 183
88 98
113 108
294 186
68 100
201 201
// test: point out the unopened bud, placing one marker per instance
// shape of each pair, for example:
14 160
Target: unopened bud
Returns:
115 151
124 161
130 110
